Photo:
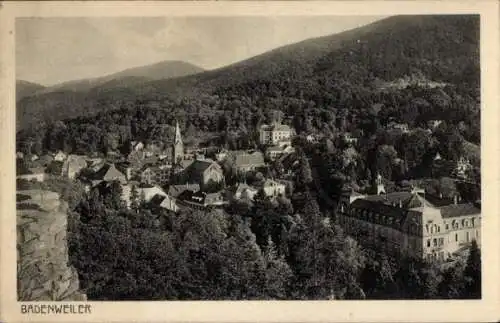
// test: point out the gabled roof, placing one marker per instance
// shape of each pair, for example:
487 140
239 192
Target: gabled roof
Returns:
108 172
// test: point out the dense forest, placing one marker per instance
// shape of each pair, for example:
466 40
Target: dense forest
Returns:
287 249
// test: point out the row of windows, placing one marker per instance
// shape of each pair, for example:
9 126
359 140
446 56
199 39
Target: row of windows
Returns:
374 217
464 223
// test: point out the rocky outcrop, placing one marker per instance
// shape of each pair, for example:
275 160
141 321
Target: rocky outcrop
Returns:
43 271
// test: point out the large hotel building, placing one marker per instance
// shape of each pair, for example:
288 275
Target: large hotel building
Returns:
410 222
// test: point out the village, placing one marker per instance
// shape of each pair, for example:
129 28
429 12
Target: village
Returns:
175 177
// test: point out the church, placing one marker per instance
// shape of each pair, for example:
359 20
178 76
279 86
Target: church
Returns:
411 222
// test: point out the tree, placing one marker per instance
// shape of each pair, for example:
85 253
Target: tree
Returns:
472 272
134 198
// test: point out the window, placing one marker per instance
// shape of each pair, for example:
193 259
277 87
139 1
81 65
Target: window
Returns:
467 236
447 226
428 242
434 242
456 236
472 221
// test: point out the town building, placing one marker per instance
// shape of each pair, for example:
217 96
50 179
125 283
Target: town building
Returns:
247 161
274 152
106 173
275 134
178 146
201 200
204 173
462 167
165 202
155 175
273 188
244 191
410 222
73 165
403 127
176 190
60 156
149 194
37 174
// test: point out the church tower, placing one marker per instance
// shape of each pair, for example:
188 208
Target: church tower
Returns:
380 185
178 146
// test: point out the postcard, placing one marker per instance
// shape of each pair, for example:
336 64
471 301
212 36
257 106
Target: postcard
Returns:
302 161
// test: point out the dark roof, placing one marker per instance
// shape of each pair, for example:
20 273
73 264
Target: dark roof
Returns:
456 210
199 166
397 213
157 199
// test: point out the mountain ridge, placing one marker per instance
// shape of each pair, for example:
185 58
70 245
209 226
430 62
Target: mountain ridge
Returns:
441 48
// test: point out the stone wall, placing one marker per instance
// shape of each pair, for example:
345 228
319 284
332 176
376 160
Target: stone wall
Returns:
43 271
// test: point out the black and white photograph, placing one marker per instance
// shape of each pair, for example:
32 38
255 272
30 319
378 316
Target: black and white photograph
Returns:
254 158
222 156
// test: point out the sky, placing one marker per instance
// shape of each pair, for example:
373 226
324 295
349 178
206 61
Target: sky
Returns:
55 50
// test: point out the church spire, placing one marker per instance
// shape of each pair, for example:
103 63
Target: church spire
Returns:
178 146
177 138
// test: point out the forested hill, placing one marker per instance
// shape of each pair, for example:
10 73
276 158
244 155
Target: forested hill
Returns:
25 88
346 69
441 48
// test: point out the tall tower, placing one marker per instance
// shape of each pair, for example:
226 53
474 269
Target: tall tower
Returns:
178 147
380 185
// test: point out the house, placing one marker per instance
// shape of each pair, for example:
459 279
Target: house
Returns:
350 138
311 138
176 190
462 167
245 191
146 192
155 174
221 155
165 202
33 157
136 145
73 165
60 156
400 126
274 152
273 188
410 222
247 161
274 134
201 199
37 174
107 173
203 172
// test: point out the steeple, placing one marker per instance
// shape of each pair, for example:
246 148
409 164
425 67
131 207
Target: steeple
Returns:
178 146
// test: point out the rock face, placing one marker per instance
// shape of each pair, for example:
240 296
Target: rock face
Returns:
43 272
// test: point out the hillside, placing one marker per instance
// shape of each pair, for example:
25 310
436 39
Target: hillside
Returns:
25 88
441 49
157 71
